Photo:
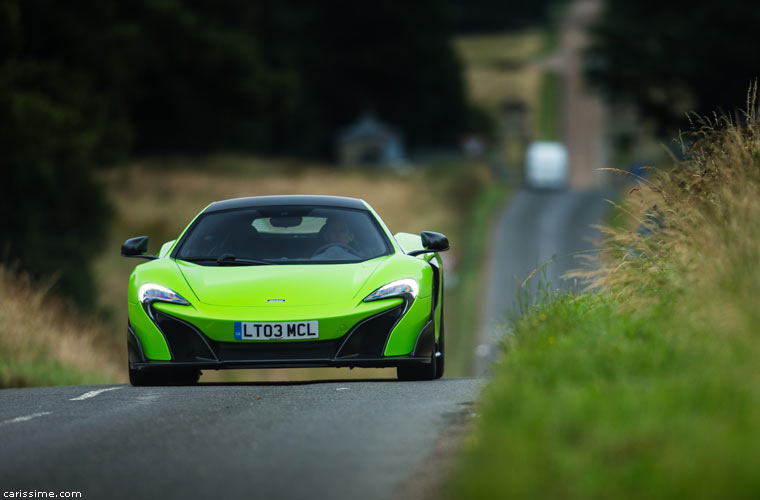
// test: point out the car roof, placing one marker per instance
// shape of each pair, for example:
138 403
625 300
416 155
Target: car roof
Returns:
262 201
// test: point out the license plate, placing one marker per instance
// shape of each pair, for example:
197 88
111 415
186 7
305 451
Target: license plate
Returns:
245 330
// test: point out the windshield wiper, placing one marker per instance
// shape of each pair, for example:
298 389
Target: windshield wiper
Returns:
228 259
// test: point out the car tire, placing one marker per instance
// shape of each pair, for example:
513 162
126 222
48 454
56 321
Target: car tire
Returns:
419 372
184 377
438 365
142 378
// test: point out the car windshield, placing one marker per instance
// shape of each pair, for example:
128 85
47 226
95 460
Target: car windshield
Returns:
283 235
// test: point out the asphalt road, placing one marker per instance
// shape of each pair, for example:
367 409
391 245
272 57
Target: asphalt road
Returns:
331 440
550 230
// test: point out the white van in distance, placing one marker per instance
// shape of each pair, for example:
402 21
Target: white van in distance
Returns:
546 165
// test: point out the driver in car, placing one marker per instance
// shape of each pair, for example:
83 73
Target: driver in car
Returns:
337 237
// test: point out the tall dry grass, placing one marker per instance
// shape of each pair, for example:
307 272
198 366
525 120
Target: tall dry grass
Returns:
44 342
698 234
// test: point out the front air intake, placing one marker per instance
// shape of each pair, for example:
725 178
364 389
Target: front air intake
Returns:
186 343
367 339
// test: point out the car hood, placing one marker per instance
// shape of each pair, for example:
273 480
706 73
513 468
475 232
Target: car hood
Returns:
288 285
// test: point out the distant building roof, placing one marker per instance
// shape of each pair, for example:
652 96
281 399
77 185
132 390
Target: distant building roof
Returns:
368 127
370 142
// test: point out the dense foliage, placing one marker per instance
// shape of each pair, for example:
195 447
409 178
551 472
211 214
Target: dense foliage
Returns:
266 76
57 117
88 83
670 58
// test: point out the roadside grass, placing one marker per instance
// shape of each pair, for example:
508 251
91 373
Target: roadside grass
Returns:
648 388
592 402
44 342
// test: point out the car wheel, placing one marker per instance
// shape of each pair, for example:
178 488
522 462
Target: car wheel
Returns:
141 378
420 372
439 365
184 377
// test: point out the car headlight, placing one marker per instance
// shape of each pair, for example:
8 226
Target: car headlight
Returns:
150 292
401 288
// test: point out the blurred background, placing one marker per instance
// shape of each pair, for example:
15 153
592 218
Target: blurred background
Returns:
120 119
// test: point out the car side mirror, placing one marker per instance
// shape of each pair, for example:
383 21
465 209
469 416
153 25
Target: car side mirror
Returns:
136 247
432 242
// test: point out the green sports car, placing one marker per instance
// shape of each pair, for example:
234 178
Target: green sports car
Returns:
286 281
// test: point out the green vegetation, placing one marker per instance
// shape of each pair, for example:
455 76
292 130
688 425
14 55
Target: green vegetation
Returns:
649 388
491 16
670 58
44 372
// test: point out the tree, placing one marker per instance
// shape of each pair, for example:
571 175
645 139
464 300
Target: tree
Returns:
57 119
393 58
669 58
84 84
479 16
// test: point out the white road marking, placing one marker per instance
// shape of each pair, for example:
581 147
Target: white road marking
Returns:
147 398
25 418
92 394
341 389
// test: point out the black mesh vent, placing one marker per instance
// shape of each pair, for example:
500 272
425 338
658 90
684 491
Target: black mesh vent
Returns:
367 339
184 340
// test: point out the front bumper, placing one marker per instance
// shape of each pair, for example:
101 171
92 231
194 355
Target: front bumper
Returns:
364 345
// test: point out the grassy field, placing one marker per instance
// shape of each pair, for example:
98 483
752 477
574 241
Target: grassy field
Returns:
499 67
44 343
648 388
